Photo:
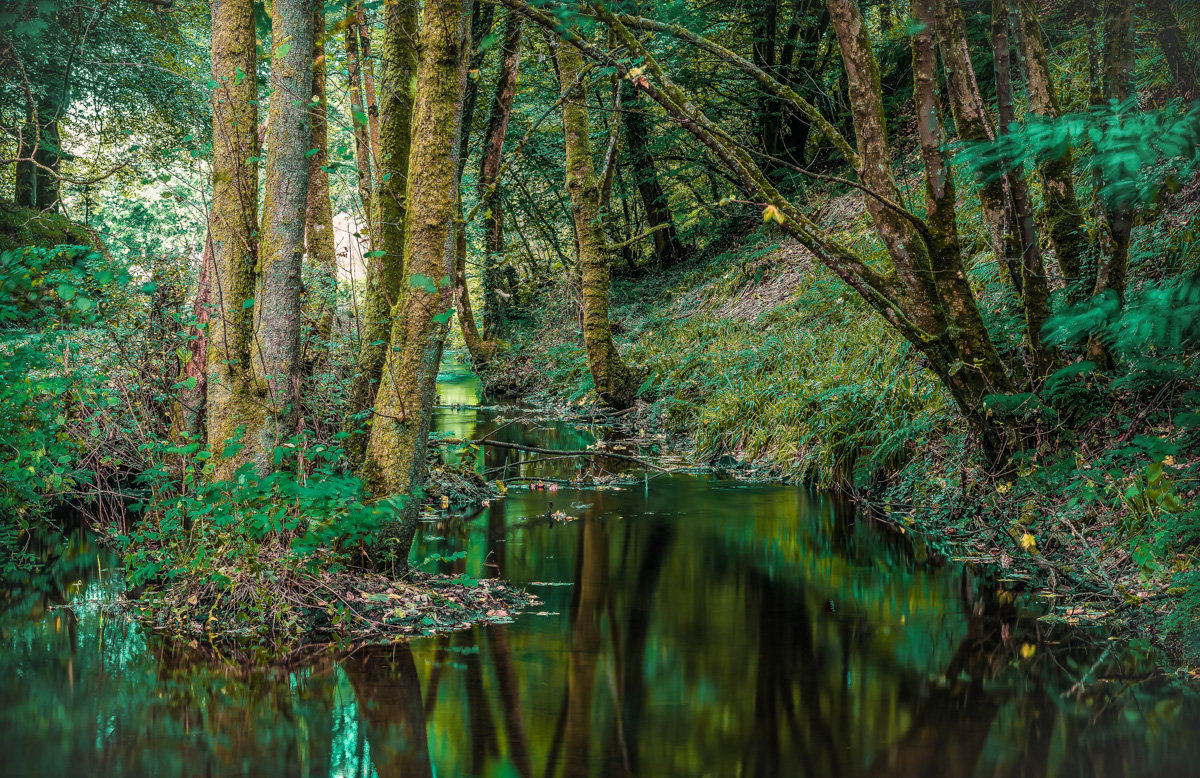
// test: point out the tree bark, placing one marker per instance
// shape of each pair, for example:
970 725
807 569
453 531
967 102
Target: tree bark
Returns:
318 227
1173 43
1061 212
1036 290
361 123
615 383
385 265
494 307
276 347
667 248
26 181
189 412
974 125
233 409
1118 86
396 451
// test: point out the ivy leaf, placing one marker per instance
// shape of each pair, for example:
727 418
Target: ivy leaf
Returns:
423 282
444 316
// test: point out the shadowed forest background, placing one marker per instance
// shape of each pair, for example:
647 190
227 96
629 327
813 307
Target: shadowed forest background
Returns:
725 315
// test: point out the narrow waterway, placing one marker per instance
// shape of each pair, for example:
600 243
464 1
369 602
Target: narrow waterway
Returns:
689 625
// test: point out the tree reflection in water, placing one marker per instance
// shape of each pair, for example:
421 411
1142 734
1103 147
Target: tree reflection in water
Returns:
702 628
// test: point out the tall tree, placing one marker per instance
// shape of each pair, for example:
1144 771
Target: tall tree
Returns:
1118 87
233 408
615 382
1173 42
494 306
318 222
1061 212
385 264
404 405
276 346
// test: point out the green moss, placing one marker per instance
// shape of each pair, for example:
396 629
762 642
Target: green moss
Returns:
28 227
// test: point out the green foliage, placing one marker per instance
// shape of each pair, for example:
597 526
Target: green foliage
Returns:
44 295
1136 153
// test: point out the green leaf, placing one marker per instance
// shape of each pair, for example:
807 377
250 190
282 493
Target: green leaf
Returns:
444 316
423 282
311 153
249 303
283 49
66 291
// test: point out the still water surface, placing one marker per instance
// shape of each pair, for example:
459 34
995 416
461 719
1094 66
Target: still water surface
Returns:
688 626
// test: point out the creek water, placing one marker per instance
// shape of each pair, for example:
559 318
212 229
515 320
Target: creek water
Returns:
688 625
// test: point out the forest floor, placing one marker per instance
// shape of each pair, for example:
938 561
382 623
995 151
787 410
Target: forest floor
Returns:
761 362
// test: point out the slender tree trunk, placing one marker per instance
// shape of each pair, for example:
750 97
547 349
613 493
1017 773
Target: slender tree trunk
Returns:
667 248
276 347
404 405
1173 42
370 95
385 265
1036 295
1118 76
361 122
318 228
974 125
233 409
1061 212
482 16
189 413
26 182
47 157
615 383
494 307
480 351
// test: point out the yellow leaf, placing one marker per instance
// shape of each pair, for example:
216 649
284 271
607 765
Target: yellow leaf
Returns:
1029 543
1027 650
771 213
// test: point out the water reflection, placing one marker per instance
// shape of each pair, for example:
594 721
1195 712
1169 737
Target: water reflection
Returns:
688 627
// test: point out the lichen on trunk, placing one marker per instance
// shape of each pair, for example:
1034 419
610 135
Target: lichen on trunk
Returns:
396 451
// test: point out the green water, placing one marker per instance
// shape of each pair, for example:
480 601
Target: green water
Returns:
688 626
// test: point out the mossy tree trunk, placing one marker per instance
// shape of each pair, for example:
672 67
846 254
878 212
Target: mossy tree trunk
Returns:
489 171
974 125
1061 212
403 407
26 170
233 408
1036 288
276 346
188 413
385 265
667 248
318 221
1173 41
614 381
360 120
1118 57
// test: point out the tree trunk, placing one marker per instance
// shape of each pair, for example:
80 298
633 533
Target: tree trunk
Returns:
396 452
1173 43
1118 86
361 123
385 265
615 383
494 307
318 227
233 408
482 16
370 95
1036 294
276 348
1061 212
47 157
974 125
189 412
26 182
481 351
667 248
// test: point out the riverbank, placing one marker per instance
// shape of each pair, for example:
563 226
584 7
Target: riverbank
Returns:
753 355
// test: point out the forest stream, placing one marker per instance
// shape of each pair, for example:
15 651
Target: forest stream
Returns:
688 625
